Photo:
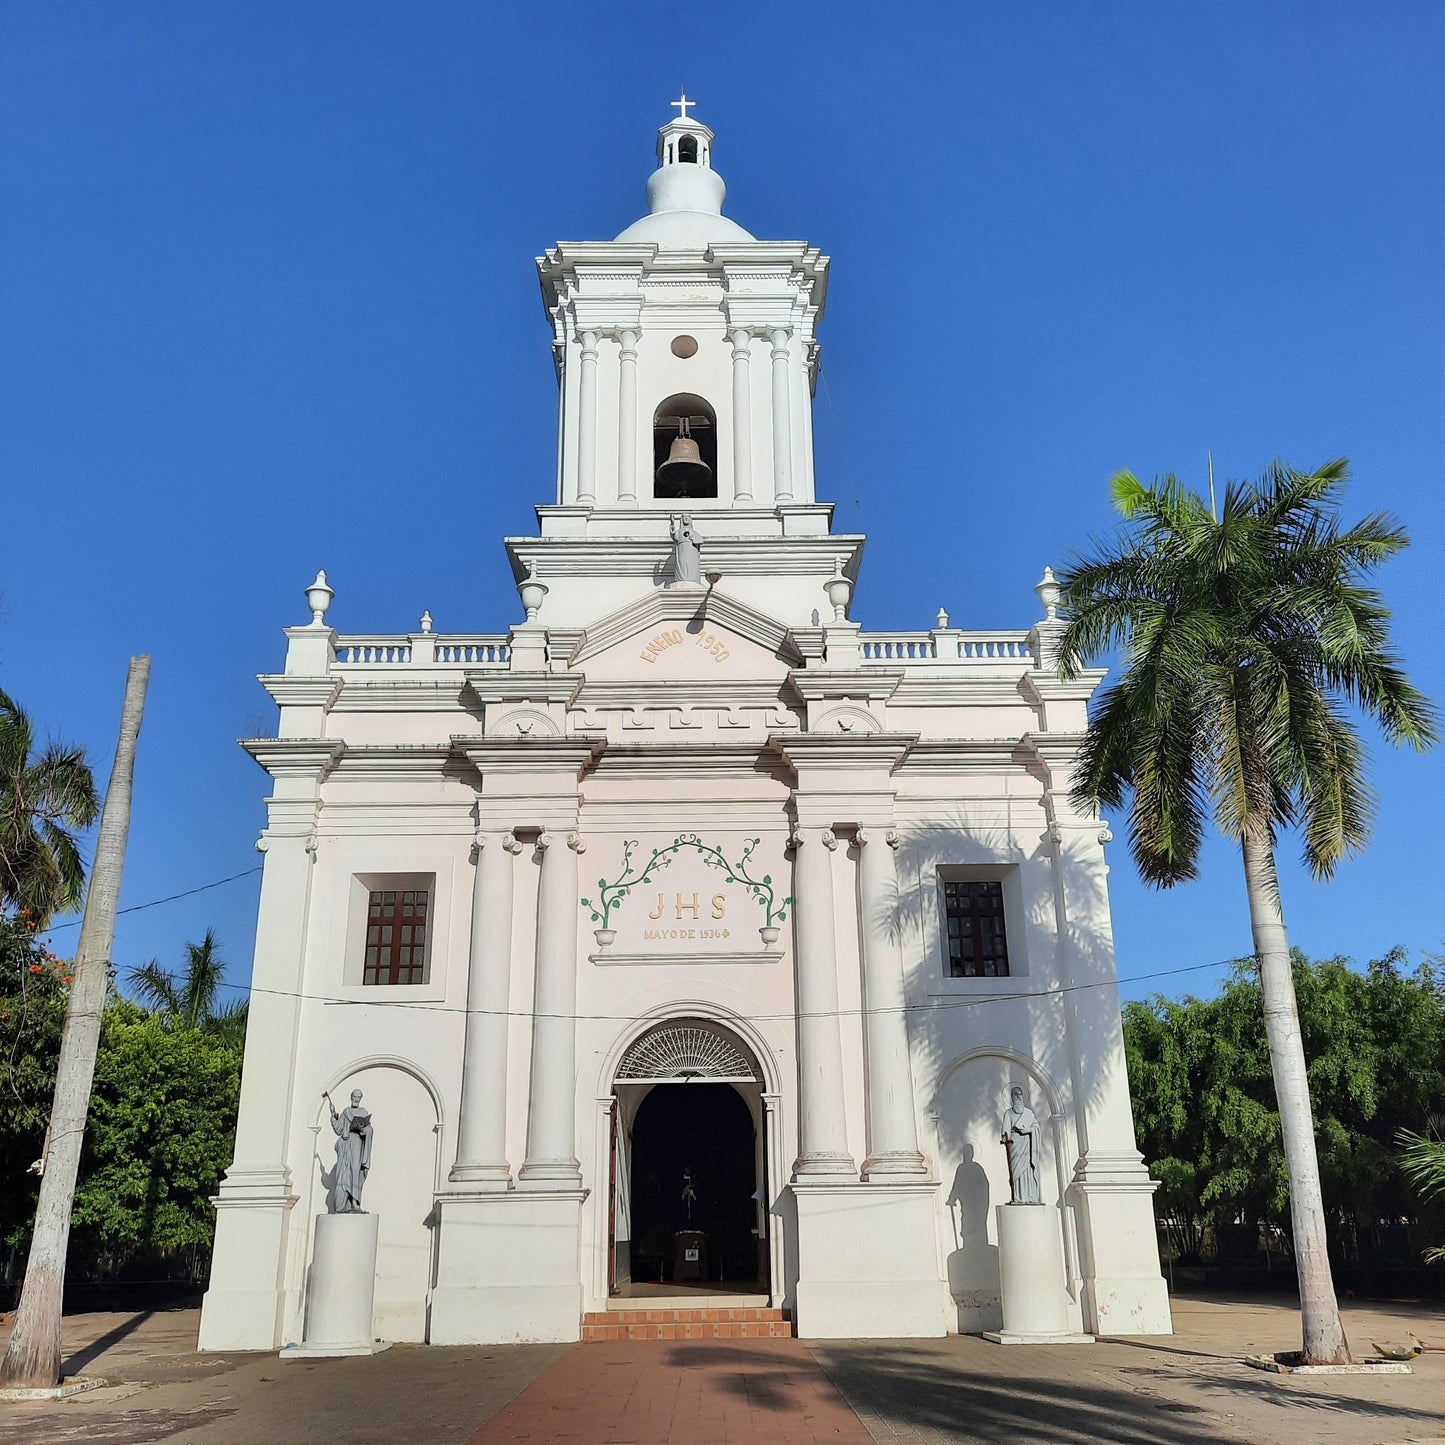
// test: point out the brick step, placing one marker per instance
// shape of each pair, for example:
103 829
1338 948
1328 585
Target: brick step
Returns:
737 1323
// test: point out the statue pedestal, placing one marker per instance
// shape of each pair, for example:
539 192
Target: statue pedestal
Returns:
340 1289
690 1255
1031 1279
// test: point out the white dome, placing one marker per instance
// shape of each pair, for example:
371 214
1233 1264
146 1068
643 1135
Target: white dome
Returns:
685 230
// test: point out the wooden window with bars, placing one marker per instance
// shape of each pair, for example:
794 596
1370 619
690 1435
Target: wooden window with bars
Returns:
977 942
396 935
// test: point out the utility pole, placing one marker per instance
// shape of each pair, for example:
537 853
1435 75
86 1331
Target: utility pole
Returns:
33 1358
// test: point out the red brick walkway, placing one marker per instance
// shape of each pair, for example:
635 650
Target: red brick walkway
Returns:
694 1392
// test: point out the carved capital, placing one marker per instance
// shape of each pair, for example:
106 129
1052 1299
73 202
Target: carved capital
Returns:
313 844
575 843
263 842
544 841
892 839
511 843
1106 833
864 836
1055 834
829 839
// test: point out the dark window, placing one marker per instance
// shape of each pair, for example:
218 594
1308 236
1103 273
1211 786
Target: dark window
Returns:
687 150
977 946
396 927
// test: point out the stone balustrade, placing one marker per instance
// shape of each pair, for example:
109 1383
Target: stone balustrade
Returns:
421 651
982 647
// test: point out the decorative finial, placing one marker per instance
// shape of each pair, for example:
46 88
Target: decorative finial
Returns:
839 589
941 621
318 599
426 622
682 105
1049 593
531 591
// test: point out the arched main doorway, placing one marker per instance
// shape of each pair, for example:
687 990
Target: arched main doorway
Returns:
688 1173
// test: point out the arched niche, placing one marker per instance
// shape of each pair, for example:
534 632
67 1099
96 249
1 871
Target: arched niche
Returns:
689 413
400 1187
968 1107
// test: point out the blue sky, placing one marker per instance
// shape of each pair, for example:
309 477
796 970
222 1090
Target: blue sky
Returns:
268 304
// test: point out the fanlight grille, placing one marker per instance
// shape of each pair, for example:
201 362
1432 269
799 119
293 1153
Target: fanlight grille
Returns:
688 1051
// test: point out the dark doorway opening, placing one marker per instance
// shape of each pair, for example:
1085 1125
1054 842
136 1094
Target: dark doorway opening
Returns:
704 1131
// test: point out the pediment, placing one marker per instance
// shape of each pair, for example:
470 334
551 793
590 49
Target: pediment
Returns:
685 633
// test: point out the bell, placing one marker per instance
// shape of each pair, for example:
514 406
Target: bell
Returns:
684 473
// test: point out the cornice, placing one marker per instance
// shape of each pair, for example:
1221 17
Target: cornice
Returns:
393 759
822 683
966 755
723 692
559 756
811 752
490 686
296 757
799 555
402 691
1045 687
930 686
289 690
690 759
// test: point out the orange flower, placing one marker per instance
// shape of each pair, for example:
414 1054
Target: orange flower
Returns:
36 968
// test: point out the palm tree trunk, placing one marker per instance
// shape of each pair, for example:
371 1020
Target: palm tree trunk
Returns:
1324 1335
33 1359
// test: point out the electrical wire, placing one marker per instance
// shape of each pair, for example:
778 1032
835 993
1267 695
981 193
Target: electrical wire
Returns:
156 902
935 1004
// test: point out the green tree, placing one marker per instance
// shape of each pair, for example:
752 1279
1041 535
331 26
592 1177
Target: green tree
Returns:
33 989
44 797
161 1133
191 1000
1248 637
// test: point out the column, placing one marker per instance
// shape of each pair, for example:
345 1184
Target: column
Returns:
782 418
482 1124
627 418
892 1122
551 1123
742 341
822 1121
587 420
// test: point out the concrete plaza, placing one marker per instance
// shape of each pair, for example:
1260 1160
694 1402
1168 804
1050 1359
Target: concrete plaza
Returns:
1190 1389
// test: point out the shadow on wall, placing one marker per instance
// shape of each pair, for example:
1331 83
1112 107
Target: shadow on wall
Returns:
971 1046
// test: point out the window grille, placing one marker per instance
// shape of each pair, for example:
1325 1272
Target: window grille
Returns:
977 942
396 935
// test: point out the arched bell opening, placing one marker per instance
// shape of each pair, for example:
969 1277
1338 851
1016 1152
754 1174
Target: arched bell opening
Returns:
684 448
689 1165
687 150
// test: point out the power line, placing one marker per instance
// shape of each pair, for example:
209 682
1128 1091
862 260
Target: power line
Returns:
156 903
930 1006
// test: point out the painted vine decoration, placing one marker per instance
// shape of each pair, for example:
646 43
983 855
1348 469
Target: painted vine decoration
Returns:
609 895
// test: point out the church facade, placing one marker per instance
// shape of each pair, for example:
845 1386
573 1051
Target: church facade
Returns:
686 938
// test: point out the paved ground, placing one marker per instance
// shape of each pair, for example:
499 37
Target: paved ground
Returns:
1187 1390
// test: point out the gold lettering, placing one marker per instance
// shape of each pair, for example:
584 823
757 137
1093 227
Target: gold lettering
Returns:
688 907
719 905
657 912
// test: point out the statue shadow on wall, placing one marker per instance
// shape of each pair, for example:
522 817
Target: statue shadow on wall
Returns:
973 1264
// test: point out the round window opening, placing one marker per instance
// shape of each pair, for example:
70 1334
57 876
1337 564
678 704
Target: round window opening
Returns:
684 346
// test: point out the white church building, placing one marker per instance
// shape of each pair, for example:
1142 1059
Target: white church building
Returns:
685 939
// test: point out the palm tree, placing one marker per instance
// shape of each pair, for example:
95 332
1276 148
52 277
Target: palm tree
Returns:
191 999
1248 640
42 799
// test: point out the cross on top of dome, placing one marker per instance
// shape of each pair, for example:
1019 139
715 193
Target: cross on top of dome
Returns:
682 104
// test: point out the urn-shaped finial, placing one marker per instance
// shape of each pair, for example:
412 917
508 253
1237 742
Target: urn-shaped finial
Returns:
426 623
318 599
839 590
1049 592
941 621
531 591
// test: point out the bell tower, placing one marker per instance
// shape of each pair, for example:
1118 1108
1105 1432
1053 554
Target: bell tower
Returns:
686 352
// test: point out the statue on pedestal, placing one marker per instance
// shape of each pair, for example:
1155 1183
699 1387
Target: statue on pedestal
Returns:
352 1127
686 558
689 1195
1022 1137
